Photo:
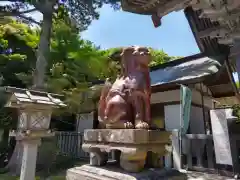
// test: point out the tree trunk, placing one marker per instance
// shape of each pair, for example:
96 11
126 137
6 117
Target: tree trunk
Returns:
43 52
15 162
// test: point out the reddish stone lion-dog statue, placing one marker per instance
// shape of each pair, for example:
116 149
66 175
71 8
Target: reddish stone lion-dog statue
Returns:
126 102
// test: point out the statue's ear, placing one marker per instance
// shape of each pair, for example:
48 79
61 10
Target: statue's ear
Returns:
116 56
127 51
122 52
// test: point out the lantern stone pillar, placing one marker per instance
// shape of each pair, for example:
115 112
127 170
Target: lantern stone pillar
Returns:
35 109
29 159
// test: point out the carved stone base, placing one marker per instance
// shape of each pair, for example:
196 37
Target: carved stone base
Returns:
133 162
98 158
87 172
134 145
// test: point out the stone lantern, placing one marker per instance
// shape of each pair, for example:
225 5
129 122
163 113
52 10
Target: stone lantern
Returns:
34 116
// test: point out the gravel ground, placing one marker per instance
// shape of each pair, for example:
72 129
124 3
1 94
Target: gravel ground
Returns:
205 176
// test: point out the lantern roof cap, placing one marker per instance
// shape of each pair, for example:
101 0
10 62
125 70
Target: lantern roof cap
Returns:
21 97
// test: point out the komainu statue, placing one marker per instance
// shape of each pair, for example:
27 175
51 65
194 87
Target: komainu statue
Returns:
126 102
124 120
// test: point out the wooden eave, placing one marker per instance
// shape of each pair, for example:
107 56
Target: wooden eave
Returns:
145 7
200 28
218 83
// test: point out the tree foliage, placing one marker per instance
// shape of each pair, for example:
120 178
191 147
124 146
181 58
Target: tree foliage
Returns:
18 43
160 57
113 54
73 63
80 12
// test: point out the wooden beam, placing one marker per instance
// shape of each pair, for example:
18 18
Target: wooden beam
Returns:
190 13
207 32
229 70
171 6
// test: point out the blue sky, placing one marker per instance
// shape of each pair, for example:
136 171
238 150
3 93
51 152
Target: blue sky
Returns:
118 28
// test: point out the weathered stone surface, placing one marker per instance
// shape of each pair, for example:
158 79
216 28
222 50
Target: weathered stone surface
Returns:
98 158
125 148
128 136
134 145
133 163
87 172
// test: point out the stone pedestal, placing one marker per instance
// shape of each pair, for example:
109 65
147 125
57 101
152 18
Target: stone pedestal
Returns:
30 149
30 140
87 172
134 145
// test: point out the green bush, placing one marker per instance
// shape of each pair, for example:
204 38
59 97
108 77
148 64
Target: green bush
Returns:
57 177
7 177
63 163
236 111
47 154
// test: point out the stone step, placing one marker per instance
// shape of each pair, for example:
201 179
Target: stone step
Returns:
87 172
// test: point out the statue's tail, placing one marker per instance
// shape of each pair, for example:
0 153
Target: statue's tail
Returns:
102 101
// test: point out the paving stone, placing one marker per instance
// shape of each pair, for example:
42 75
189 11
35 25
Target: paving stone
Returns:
205 176
87 172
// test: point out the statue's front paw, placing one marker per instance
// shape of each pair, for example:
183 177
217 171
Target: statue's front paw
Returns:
128 125
141 125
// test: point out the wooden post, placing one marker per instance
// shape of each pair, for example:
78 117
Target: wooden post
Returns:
210 153
168 160
189 153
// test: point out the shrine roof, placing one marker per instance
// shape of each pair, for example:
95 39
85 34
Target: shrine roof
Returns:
184 69
145 7
192 70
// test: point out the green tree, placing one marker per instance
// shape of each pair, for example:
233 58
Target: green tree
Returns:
160 57
73 62
82 13
72 65
113 56
18 43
